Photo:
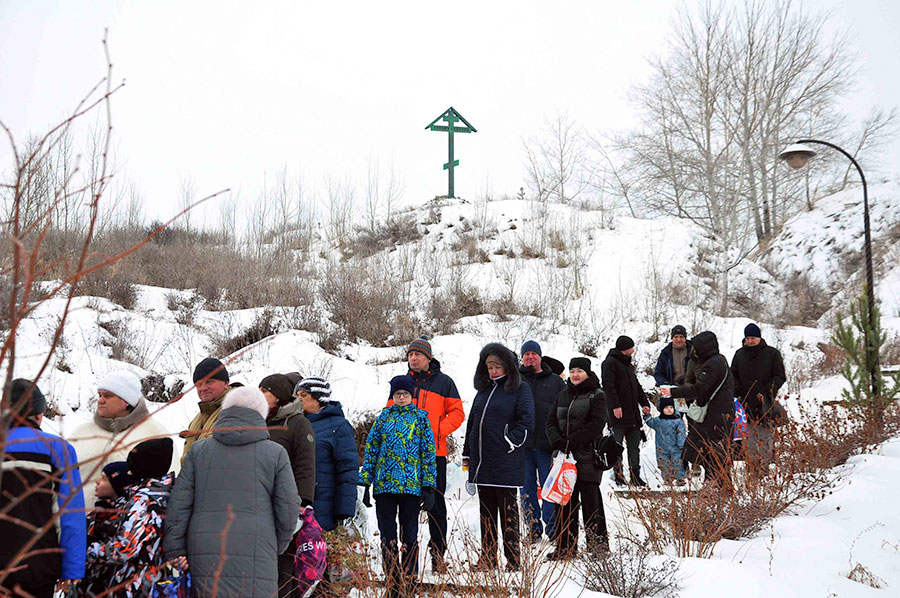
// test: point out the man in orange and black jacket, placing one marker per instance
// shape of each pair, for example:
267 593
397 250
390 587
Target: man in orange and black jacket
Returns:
436 394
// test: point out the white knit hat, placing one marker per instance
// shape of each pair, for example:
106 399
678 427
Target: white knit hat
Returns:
124 384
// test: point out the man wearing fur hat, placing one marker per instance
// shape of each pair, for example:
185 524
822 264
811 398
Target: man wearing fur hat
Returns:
211 381
121 421
625 401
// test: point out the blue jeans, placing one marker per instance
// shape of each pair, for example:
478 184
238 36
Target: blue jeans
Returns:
537 466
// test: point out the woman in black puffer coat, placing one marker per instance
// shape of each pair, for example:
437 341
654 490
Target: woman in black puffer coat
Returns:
706 441
501 420
575 424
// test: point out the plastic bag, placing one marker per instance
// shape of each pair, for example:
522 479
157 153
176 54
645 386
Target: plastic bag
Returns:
560 481
309 556
741 429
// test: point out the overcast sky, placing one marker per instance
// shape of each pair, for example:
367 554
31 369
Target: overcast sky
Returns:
225 92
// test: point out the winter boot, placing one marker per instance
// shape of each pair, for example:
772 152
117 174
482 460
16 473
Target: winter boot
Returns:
636 479
618 475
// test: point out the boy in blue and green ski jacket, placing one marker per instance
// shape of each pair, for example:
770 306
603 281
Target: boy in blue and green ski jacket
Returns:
400 464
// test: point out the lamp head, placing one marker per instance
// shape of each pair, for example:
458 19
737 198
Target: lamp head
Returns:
797 155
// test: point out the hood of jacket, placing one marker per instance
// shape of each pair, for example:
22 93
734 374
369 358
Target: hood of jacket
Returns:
528 372
706 345
286 411
116 425
513 379
329 409
249 426
591 384
161 485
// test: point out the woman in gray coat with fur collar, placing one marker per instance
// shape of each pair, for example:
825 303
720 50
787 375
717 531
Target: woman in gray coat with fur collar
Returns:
241 483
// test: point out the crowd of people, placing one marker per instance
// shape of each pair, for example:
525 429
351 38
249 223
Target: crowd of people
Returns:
117 511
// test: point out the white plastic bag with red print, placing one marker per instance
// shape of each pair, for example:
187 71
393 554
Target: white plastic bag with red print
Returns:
560 481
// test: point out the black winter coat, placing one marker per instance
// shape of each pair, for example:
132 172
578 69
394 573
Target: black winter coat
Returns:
545 386
757 370
501 420
713 374
576 424
294 432
622 390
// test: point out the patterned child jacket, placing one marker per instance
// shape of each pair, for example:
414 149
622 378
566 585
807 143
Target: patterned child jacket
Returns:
134 553
400 453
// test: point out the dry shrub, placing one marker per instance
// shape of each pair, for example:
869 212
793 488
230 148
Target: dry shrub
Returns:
263 326
632 570
362 423
153 387
831 361
534 579
111 284
469 246
803 301
362 302
448 306
396 231
806 451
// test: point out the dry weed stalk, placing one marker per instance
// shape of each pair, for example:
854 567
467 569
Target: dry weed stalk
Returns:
806 451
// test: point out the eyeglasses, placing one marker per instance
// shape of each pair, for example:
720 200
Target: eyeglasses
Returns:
402 394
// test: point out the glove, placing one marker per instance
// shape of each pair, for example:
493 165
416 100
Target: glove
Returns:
427 499
559 444
341 518
643 436
367 497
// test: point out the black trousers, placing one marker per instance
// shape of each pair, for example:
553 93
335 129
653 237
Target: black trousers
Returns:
632 438
586 494
502 503
287 583
388 507
437 516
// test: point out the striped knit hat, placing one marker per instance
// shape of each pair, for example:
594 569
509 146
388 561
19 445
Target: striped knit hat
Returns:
317 387
421 345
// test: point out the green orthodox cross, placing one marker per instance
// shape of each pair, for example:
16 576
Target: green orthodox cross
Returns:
451 116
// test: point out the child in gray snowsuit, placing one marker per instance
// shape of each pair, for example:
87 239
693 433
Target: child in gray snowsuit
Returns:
670 435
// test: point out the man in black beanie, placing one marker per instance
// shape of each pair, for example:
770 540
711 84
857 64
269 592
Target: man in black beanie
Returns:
758 371
671 367
625 400
211 381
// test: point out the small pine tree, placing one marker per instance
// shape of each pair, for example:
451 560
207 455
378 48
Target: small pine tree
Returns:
862 360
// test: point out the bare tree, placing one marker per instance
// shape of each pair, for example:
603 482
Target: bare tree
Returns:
738 83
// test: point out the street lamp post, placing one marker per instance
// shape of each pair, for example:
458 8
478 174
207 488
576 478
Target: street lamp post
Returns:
797 155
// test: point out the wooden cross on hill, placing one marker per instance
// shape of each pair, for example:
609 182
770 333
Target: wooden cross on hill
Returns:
451 116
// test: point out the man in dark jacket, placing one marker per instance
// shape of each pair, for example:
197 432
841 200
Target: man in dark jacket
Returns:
38 469
758 371
671 367
545 386
435 394
714 389
625 402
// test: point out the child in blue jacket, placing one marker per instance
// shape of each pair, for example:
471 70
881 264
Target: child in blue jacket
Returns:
400 464
670 435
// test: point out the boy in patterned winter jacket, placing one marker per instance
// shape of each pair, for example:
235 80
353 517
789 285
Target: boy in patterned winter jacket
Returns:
400 464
